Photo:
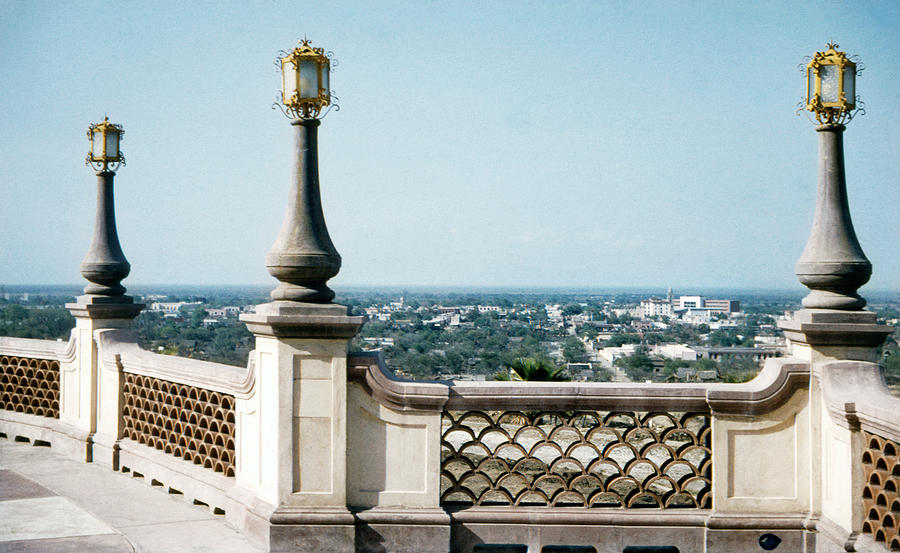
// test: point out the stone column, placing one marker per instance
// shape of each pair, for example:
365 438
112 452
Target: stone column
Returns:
833 324
294 428
92 396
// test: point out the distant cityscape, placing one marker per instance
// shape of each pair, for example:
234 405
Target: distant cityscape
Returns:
594 326
616 336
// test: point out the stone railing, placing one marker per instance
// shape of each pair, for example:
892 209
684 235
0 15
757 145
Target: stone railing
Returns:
174 420
31 380
528 459
447 465
169 420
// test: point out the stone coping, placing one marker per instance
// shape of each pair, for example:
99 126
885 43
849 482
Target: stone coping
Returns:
857 397
772 387
37 349
369 370
119 348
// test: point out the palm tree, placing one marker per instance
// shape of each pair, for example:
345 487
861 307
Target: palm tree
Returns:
529 369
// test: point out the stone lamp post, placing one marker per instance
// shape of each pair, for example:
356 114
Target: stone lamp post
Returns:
303 257
294 448
833 265
103 306
104 266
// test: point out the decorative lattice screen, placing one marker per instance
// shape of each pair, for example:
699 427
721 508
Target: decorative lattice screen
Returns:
880 500
29 385
584 458
186 421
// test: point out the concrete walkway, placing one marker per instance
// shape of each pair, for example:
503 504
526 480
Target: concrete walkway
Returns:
51 504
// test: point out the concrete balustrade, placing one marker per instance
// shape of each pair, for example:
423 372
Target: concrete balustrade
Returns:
331 449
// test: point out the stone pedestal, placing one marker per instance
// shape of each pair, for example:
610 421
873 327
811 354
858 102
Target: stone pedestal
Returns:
92 391
294 428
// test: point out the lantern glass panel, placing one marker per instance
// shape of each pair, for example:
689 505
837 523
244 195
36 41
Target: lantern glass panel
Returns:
288 80
112 145
97 145
309 81
810 84
830 93
325 80
850 84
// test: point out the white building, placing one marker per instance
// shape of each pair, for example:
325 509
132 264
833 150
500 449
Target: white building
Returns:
171 307
610 355
675 351
656 307
685 303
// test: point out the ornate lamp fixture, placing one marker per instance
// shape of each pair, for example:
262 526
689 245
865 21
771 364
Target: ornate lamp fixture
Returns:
303 257
105 154
304 81
831 86
105 265
833 265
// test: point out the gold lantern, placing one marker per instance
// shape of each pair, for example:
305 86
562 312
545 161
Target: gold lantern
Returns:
831 86
304 81
105 154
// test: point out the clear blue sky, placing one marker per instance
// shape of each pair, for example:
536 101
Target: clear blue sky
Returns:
478 143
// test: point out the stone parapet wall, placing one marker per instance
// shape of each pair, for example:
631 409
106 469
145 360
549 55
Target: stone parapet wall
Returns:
460 462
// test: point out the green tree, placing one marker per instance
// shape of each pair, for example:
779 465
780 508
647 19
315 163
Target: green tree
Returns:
574 350
638 367
620 339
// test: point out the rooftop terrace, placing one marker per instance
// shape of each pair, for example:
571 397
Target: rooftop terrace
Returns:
313 448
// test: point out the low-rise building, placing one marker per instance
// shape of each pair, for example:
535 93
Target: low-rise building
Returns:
757 354
680 352
609 355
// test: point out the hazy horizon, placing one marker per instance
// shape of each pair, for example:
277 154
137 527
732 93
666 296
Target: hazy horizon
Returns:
797 291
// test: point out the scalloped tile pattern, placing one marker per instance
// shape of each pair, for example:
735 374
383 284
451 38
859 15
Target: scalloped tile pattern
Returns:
881 503
29 385
583 458
192 423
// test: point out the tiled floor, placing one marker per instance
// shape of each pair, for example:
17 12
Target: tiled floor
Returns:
34 518
52 504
